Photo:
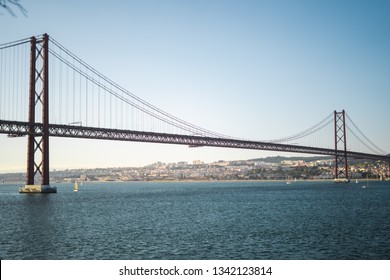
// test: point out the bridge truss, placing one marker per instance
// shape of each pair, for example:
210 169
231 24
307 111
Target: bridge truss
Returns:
17 129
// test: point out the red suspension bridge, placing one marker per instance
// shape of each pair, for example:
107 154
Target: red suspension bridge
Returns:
84 103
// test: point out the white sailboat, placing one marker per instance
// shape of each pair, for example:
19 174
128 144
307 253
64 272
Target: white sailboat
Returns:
365 186
75 186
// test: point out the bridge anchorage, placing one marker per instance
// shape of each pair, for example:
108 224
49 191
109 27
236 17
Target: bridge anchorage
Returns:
38 128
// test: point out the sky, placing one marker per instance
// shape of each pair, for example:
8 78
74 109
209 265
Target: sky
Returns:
261 69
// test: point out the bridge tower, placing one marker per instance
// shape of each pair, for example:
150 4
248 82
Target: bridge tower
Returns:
38 134
340 139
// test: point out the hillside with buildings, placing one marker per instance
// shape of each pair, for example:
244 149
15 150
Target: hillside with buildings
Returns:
271 168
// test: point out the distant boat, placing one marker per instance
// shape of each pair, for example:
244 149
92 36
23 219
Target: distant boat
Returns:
75 186
365 186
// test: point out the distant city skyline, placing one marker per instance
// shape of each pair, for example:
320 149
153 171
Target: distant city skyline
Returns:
272 168
252 69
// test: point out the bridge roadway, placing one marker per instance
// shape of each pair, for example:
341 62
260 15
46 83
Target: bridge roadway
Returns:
16 129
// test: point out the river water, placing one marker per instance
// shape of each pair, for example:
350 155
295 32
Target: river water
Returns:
198 220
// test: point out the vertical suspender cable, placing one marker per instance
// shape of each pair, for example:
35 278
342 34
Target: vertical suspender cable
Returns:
122 113
74 95
60 92
86 98
92 108
13 86
80 98
111 108
1 84
105 123
52 91
17 81
98 110
67 96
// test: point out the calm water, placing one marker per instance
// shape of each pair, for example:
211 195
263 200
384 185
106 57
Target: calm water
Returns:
211 220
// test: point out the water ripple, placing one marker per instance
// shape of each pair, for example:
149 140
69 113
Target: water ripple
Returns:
210 220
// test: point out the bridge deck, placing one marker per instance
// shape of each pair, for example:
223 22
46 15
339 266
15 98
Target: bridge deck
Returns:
14 128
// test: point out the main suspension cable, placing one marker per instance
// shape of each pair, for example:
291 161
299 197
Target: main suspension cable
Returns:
181 123
365 137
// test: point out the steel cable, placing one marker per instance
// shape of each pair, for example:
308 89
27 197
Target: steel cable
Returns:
366 138
194 128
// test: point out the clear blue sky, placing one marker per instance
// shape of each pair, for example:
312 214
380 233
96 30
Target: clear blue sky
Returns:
251 69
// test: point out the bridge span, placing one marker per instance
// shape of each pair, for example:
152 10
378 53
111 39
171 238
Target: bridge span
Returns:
17 129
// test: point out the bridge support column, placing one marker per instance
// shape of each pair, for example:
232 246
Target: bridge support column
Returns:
38 141
341 162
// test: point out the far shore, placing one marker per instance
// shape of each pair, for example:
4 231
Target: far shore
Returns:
204 181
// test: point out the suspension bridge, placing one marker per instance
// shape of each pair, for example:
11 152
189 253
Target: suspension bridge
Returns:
84 103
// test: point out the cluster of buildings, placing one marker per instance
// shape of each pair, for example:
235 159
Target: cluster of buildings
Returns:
277 168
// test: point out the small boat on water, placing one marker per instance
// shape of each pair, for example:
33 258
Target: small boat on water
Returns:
75 186
341 180
365 186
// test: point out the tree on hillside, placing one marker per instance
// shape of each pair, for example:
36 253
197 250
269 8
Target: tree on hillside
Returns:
10 5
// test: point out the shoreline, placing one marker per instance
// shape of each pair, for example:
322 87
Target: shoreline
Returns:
209 181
